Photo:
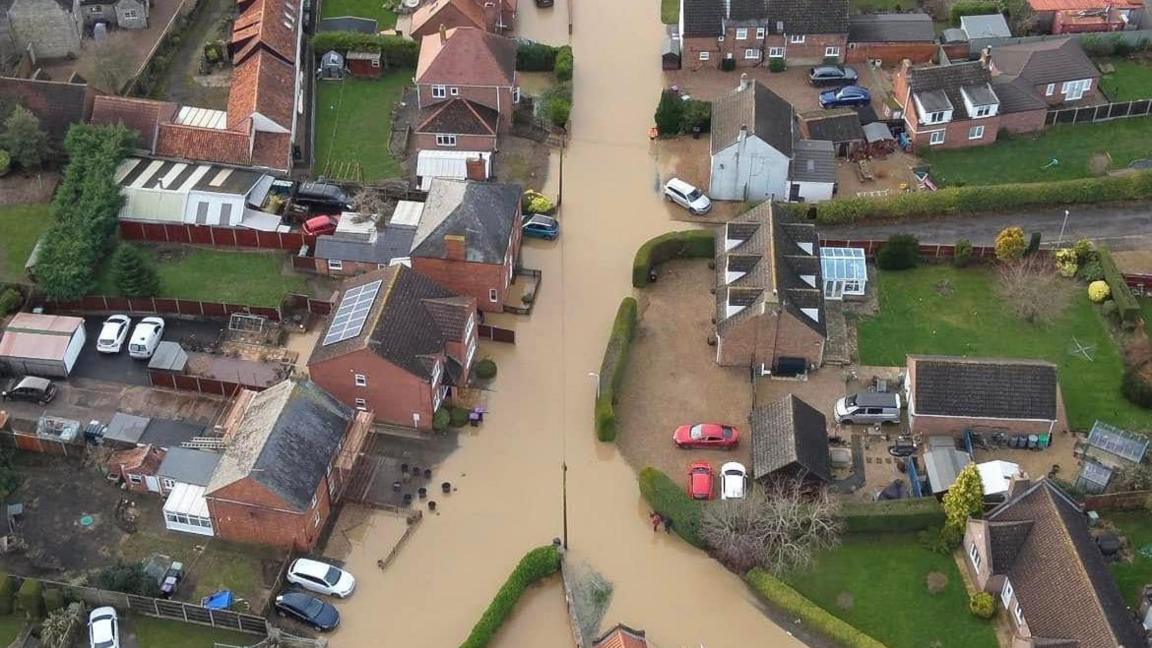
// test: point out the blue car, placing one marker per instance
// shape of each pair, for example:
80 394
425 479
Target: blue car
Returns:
309 609
542 227
846 96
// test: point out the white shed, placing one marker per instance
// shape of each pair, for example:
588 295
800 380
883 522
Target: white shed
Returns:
186 510
845 272
196 194
751 145
41 345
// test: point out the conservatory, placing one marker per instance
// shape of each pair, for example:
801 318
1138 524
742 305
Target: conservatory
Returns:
844 270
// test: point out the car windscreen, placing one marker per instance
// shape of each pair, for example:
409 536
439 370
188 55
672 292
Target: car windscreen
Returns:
333 576
694 195
313 608
697 431
850 401
727 432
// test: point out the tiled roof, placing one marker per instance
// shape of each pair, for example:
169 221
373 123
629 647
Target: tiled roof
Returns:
467 56
741 10
789 433
268 23
1044 61
835 125
621 637
213 145
58 105
484 213
262 84
703 17
813 161
458 116
764 112
272 150
1072 5
994 388
949 79
891 28
141 115
1016 95
808 16
431 11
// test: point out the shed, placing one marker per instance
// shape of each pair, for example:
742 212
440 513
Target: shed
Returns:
989 26
812 173
331 65
943 464
41 345
670 53
996 476
845 272
877 132
363 64
790 440
1112 446
125 429
841 126
169 356
186 510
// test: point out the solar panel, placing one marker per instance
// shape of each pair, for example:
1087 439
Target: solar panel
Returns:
352 313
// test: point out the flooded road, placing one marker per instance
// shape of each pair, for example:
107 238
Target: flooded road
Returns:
509 471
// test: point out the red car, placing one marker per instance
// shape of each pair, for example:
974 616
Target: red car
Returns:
320 225
700 480
706 435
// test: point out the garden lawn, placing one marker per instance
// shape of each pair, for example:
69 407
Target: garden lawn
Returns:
385 18
10 627
20 227
967 317
669 11
220 565
1131 80
353 124
1131 577
878 584
881 6
1023 158
161 633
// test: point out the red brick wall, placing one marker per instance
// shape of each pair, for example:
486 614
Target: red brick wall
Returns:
690 53
427 142
1023 122
496 98
955 426
392 394
475 279
734 48
956 133
247 512
892 53
811 51
1057 99
765 338
348 268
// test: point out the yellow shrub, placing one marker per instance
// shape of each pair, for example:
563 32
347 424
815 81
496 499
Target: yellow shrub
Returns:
1098 291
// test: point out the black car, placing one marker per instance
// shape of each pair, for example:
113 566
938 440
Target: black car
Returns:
30 388
829 75
320 198
309 609
171 580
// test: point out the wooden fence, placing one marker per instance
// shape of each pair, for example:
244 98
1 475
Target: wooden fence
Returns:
185 307
182 382
1099 113
496 334
212 235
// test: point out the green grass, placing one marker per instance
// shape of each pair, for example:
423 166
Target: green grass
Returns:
385 18
1131 80
220 566
353 125
20 227
884 575
1146 310
1023 158
10 627
669 11
969 319
249 278
1131 577
880 6
159 633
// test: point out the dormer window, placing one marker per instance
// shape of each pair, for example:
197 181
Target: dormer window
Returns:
812 313
809 279
935 118
982 111
807 247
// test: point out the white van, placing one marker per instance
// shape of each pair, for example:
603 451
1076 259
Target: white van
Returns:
146 337
869 408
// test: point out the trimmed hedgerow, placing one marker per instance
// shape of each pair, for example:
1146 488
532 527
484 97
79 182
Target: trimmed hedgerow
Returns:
395 51
612 369
781 596
914 514
668 498
673 245
1126 304
536 565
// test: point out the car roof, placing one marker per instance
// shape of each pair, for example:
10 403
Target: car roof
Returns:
733 465
296 599
541 218
152 320
876 399
677 183
310 567
34 382
822 68
118 318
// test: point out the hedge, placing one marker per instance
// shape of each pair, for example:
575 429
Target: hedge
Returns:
612 369
537 564
1126 304
7 590
564 63
972 8
535 57
668 498
695 243
31 598
969 200
913 514
779 595
395 51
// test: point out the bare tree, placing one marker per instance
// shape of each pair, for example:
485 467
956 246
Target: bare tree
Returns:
370 202
1033 290
779 527
109 64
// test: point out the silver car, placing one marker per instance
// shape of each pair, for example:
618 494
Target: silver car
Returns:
869 408
687 196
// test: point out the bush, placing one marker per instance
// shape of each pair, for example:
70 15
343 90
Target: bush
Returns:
668 498
905 515
53 599
982 604
440 420
777 65
535 57
1010 244
1091 271
1067 263
685 244
1125 301
963 253
132 273
30 597
6 593
564 63
612 369
1098 291
395 51
782 597
10 300
556 104
972 8
5 162
485 369
697 114
669 113
899 252
942 541
1136 385
458 416
536 565
129 578
534 202
1085 251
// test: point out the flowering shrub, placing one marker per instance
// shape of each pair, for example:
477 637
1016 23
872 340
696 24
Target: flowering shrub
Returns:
1067 262
1010 244
1098 291
536 203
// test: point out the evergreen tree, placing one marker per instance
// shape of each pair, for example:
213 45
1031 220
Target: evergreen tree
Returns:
133 275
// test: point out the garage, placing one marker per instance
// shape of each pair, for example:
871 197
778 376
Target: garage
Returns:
41 345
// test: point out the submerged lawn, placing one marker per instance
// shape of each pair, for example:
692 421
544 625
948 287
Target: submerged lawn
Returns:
878 583
945 311
20 227
354 124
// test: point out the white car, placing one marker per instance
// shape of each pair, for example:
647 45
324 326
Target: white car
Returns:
687 196
103 628
146 337
113 333
733 481
321 577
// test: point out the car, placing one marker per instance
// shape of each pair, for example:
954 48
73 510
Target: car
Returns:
171 580
320 198
146 337
824 75
321 577
700 480
540 226
309 609
112 334
30 388
733 480
687 196
103 628
543 4
847 96
868 408
320 225
706 435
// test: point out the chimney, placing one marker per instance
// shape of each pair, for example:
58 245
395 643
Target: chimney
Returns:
1019 483
491 17
454 247
475 169
985 56
905 65
443 34
743 81
743 133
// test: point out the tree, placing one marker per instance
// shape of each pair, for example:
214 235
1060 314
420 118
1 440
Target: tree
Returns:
26 143
368 202
964 499
780 527
132 273
129 578
1010 244
899 252
109 64
669 113
1033 291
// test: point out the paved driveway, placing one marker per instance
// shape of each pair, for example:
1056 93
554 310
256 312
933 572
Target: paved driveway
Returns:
121 367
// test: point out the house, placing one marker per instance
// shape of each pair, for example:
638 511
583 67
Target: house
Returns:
457 125
41 345
125 14
469 64
789 441
1056 72
469 239
754 32
57 104
751 145
1034 552
812 175
949 394
891 37
480 14
621 637
396 346
48 26
1080 16
362 244
1109 449
288 454
136 468
769 309
840 126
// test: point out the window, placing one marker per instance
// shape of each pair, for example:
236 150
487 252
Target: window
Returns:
436 371
312 504
937 137
1075 90
361 404
796 38
493 296
335 264
974 552
516 95
751 54
454 91
316 519
704 56
760 32
775 52
135 479
1018 612
976 132
982 111
469 328
445 140
169 483
361 380
129 13
439 92
935 118
832 52
1050 90
375 62
742 33
1006 592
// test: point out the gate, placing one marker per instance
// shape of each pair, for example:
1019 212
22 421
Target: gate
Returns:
496 334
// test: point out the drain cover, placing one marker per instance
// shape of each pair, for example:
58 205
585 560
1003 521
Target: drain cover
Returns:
86 520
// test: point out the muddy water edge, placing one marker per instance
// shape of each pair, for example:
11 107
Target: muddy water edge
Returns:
508 472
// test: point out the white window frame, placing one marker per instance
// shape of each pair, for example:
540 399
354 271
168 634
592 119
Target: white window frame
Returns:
135 479
1075 90
335 264
796 39
974 555
1006 592
1018 612
439 92
751 54
936 117
704 56
976 132
982 111
742 33
437 372
493 295
168 483
933 140
831 51
446 140
361 380
361 404
454 91
516 94
129 13
470 327
775 52
759 32
316 520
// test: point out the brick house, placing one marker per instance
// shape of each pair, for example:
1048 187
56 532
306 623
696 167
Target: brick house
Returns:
769 311
621 637
125 14
1036 555
362 244
469 239
891 38
457 124
426 21
1057 72
398 343
948 394
288 453
471 64
1082 16
789 441
137 468
753 32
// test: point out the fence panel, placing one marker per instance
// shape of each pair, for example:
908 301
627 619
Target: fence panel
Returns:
1099 113
210 235
202 235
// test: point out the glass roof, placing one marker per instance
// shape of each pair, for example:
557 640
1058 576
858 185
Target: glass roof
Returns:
1095 473
1119 442
839 264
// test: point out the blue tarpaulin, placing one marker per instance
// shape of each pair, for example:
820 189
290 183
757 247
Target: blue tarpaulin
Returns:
221 600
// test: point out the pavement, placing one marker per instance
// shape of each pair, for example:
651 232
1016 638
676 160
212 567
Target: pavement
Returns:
85 399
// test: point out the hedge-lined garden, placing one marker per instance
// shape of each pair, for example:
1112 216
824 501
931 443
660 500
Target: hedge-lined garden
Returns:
668 498
536 565
779 595
612 369
913 514
685 244
395 51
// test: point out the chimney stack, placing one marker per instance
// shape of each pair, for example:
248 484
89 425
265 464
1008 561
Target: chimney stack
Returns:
743 81
985 56
454 247
1019 483
905 65
743 133
491 15
443 34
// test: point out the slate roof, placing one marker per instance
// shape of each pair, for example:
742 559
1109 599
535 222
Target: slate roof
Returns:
1058 574
484 213
285 440
393 243
1049 61
834 125
264 84
990 26
947 80
703 18
468 56
808 16
189 466
409 323
989 388
1017 95
265 24
58 105
813 161
764 112
786 433
141 115
740 10
891 28
458 116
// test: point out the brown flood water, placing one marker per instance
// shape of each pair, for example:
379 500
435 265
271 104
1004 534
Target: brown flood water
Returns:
508 472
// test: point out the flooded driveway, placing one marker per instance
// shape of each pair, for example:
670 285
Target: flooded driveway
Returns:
508 472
